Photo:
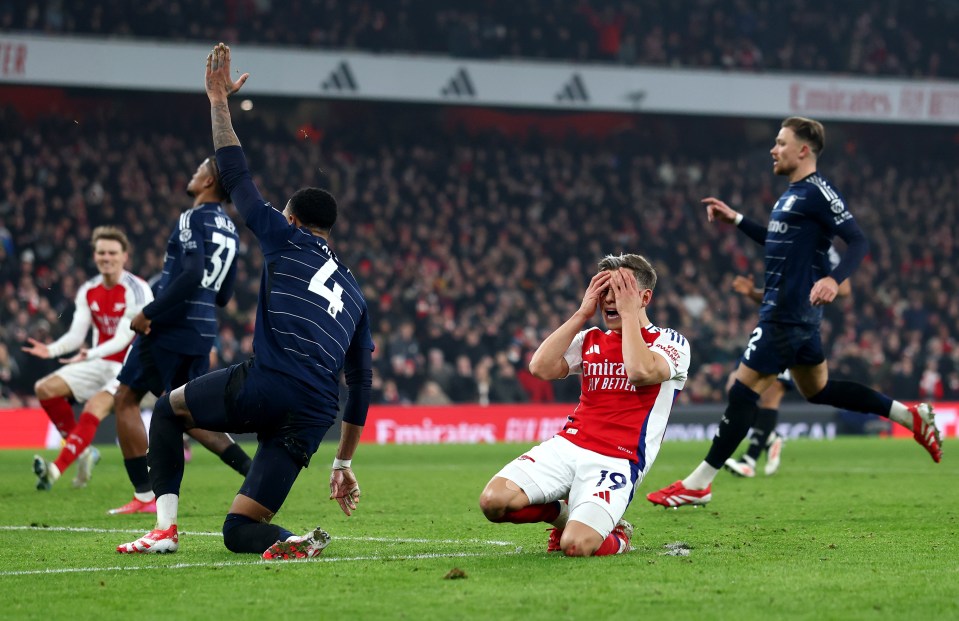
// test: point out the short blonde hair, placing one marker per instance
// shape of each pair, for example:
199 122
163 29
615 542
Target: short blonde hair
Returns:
112 233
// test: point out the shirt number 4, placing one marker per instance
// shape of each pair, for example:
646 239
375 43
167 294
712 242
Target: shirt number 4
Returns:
318 286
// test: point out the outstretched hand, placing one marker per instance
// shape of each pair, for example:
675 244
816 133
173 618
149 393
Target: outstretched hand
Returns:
219 82
36 348
718 210
344 489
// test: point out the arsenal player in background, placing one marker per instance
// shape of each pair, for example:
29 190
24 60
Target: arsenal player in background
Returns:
107 303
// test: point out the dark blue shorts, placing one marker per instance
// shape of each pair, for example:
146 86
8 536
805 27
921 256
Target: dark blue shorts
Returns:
150 367
775 347
246 399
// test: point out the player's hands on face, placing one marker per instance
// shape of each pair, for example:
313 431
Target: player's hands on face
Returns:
629 300
824 291
743 285
594 293
344 489
36 348
219 82
140 324
80 356
718 210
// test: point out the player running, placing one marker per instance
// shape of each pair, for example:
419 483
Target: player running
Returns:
798 283
764 437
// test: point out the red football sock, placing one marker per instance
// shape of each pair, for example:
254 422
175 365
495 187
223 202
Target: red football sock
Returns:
60 413
78 440
533 513
609 546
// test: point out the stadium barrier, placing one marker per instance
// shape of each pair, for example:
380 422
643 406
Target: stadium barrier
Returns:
524 423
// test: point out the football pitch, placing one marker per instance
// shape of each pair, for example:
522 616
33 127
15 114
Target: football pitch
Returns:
855 528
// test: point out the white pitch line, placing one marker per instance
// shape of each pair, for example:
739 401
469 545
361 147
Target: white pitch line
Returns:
82 529
411 557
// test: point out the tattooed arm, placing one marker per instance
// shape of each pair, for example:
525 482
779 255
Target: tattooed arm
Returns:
219 86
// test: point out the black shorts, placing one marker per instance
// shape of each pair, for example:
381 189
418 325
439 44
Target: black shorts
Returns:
775 347
245 399
150 367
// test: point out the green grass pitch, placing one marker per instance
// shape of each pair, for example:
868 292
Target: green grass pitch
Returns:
854 528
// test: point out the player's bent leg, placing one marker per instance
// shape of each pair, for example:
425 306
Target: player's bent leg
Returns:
247 527
222 445
53 393
247 530
580 539
77 444
502 496
207 396
278 461
592 531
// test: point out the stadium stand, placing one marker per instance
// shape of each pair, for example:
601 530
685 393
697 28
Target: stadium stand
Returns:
471 245
852 37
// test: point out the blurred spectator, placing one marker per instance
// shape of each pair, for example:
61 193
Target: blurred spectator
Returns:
504 385
469 246
854 36
431 393
463 387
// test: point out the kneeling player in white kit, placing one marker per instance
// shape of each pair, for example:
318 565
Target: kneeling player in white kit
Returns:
105 303
632 373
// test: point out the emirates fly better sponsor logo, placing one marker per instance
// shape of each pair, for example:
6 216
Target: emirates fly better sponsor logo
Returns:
606 375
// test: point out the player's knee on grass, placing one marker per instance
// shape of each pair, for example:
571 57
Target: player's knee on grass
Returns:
497 497
580 540
243 535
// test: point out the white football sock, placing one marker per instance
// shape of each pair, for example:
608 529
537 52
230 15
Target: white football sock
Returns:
53 473
166 510
144 496
701 477
899 413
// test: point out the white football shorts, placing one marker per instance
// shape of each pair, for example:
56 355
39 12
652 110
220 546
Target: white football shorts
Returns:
599 488
88 377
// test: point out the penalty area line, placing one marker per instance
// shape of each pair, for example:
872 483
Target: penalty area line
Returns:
260 562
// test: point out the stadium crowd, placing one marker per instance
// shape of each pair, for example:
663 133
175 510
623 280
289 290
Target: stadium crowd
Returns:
471 248
856 36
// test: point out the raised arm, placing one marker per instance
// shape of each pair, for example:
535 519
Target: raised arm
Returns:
219 86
